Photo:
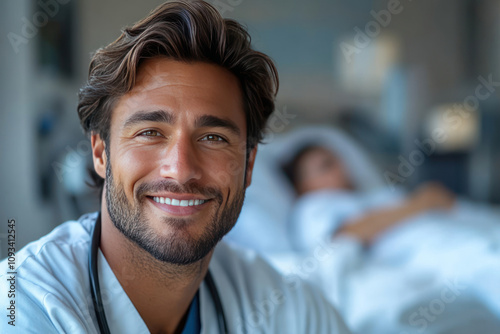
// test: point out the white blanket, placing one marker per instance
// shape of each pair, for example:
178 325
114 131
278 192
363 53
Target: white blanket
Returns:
435 273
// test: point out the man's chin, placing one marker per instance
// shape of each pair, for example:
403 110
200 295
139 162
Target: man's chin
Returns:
179 252
171 228
174 241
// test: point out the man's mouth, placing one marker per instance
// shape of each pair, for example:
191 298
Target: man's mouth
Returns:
178 202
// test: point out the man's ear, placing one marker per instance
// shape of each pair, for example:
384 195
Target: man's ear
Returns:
99 155
249 169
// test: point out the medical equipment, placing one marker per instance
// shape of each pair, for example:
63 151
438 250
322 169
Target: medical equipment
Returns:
96 292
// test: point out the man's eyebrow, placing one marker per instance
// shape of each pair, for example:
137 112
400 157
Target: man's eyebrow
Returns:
161 116
214 121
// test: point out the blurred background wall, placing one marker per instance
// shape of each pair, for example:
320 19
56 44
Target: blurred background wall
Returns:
416 82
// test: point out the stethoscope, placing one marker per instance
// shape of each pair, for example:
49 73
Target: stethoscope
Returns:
96 291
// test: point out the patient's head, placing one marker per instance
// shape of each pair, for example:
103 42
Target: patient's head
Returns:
316 168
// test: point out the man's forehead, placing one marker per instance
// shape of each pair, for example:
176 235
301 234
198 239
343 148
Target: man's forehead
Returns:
154 72
171 85
161 71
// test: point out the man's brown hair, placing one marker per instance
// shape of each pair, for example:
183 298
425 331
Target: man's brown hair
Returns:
183 31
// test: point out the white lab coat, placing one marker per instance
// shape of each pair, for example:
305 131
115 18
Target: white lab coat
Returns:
52 292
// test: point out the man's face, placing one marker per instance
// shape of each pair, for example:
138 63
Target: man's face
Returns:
176 162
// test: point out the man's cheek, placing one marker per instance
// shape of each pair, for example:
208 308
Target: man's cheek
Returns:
235 168
219 179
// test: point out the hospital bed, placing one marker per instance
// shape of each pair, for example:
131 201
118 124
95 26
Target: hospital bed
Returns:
433 273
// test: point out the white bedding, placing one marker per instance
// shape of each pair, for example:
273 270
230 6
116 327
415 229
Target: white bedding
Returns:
435 273
447 263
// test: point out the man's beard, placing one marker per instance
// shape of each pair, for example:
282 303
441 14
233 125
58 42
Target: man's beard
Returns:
179 247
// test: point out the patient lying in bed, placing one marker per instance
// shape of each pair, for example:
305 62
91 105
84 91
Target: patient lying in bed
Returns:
316 170
423 243
432 265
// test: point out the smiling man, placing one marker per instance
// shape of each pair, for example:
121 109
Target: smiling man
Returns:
172 137
174 108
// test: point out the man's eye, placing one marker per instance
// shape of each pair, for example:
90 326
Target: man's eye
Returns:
150 133
213 138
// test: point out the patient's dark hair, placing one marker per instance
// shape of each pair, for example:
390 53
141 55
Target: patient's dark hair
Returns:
291 167
184 31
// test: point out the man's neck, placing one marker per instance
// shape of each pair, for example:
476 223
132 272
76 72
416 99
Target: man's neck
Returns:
161 292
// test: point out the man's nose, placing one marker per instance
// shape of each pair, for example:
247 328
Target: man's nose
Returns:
181 162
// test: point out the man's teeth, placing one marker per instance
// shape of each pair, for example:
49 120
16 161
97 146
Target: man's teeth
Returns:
176 202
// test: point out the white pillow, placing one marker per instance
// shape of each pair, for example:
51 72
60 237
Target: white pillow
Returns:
269 199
